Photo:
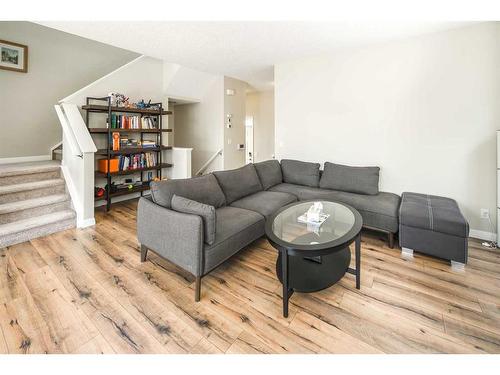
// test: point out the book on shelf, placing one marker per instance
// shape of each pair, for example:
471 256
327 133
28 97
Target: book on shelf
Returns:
132 122
148 144
125 121
125 142
149 122
136 161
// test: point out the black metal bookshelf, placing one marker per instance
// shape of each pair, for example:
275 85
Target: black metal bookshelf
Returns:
108 109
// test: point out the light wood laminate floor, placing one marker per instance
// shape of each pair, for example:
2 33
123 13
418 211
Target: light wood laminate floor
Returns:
85 291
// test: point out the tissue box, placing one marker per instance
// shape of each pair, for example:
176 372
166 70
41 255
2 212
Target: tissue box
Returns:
313 214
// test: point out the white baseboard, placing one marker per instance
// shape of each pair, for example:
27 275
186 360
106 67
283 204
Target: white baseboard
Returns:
482 235
25 159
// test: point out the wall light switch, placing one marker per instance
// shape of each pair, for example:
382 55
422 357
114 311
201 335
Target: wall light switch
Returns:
229 141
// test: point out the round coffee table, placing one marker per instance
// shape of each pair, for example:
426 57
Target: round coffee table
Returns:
312 257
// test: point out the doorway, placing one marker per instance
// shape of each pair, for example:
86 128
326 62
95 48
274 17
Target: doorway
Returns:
249 155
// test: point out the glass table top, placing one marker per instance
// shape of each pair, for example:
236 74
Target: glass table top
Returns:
286 226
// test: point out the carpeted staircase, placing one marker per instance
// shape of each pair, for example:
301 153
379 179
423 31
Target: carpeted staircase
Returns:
33 201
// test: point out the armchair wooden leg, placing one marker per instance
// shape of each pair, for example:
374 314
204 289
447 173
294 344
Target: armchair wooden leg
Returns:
197 290
391 240
144 253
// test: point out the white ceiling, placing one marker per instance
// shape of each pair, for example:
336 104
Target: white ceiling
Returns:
243 50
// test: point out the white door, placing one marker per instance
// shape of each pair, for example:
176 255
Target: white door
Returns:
249 156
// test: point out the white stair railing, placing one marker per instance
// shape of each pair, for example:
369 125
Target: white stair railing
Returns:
209 161
78 162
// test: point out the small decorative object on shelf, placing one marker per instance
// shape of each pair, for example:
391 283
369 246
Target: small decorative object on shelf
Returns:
143 105
99 192
118 100
125 155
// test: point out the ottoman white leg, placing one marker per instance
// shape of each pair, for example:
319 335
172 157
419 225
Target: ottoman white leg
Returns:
406 253
457 266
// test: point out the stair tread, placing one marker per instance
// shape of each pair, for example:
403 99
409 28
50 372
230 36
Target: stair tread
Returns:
6 208
16 169
33 222
7 189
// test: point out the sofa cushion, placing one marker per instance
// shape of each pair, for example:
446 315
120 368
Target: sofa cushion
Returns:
435 213
203 189
269 173
378 211
303 192
238 183
300 172
236 228
361 180
265 203
207 213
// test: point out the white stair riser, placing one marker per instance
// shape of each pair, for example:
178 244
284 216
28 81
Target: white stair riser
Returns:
40 231
30 194
35 211
31 177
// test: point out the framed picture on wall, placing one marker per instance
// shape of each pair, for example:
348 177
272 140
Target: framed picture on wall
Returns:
13 56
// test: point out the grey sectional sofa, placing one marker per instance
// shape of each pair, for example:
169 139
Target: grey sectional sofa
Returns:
225 211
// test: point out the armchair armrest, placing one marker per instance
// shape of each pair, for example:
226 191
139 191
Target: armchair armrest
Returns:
175 236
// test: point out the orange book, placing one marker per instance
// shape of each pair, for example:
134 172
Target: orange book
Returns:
116 141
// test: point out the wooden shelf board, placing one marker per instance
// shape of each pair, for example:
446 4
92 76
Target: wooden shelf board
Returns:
135 150
131 171
105 130
136 189
104 108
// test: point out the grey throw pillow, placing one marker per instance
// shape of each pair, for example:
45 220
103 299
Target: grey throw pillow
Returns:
269 173
300 172
238 183
204 189
361 180
206 212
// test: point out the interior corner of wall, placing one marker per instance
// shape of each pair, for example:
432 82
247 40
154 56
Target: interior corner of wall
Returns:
169 72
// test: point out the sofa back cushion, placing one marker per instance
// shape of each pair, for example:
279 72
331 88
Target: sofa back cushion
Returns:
207 213
203 189
300 172
238 183
361 180
269 173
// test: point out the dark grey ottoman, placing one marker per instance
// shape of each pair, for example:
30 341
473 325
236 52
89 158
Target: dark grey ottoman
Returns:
433 225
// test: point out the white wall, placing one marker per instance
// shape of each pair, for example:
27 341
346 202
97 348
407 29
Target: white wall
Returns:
59 64
200 126
260 105
234 105
423 109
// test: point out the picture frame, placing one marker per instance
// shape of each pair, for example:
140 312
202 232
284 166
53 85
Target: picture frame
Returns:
13 56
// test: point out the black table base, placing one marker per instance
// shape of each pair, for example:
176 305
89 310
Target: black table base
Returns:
311 274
